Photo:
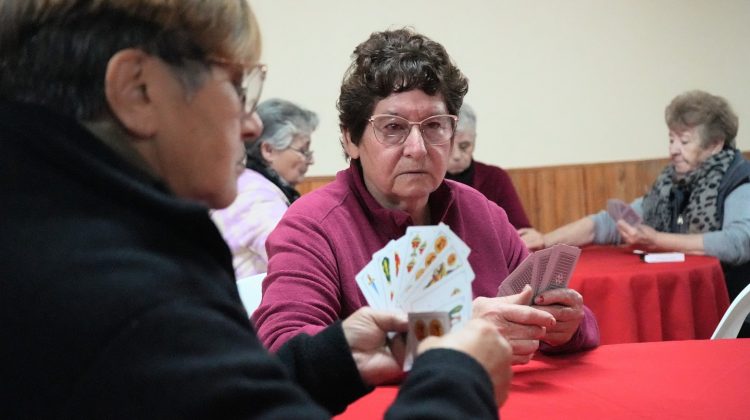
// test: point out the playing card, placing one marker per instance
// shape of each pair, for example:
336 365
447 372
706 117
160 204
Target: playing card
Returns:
453 296
448 265
368 281
413 251
629 215
421 326
560 267
519 278
618 209
439 255
454 240
615 208
539 280
545 269
385 260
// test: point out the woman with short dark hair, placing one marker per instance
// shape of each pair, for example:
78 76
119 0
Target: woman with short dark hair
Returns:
397 109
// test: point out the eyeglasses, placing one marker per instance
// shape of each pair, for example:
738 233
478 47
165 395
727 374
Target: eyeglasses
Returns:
308 154
250 86
393 130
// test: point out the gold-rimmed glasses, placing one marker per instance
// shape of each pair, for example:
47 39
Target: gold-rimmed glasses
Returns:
393 130
307 154
251 84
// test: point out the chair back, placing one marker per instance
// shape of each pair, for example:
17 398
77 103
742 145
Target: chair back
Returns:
250 289
731 322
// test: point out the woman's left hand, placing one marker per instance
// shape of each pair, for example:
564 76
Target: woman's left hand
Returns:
566 305
641 235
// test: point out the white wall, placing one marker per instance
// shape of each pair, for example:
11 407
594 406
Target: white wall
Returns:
552 81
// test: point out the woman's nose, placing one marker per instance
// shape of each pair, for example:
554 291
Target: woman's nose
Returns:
251 127
414 143
455 153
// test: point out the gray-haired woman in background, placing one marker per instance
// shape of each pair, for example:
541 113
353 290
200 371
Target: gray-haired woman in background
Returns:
699 202
276 162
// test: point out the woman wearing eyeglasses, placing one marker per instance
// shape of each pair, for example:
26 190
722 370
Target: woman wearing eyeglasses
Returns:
276 162
397 111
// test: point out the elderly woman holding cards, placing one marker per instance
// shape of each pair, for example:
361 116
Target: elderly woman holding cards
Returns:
698 204
397 111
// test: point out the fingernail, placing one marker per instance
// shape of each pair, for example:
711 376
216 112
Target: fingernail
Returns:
540 299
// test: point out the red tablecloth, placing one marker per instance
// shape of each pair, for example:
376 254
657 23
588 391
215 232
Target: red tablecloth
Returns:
695 379
636 301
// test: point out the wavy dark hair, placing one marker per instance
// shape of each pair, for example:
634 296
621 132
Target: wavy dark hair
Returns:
391 62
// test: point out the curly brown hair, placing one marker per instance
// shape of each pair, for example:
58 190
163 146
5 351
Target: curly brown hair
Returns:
396 61
698 108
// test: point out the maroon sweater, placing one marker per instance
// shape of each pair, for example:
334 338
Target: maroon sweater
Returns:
327 236
496 185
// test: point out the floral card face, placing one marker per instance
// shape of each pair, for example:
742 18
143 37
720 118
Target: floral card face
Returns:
425 271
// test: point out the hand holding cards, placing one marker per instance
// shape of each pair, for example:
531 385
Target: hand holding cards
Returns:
425 273
543 270
618 209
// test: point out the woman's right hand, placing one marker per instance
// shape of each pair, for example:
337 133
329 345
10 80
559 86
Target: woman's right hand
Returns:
480 340
518 322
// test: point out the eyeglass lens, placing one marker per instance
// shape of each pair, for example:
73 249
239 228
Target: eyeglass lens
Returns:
308 154
392 130
252 86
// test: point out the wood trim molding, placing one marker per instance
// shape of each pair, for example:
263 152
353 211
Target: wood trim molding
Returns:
555 195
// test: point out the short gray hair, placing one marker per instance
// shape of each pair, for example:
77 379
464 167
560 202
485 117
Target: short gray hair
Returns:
282 121
713 113
467 119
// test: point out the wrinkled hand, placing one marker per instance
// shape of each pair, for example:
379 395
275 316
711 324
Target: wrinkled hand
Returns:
641 235
365 331
480 340
522 325
533 239
566 306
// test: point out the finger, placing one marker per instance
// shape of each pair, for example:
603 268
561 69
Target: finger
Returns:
625 225
522 298
521 359
513 331
527 315
390 321
524 347
562 314
565 297
397 345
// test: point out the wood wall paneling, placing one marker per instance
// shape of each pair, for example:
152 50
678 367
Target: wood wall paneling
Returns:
555 195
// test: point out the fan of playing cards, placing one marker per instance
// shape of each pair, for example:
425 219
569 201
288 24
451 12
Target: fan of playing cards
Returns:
549 268
619 209
425 273
426 270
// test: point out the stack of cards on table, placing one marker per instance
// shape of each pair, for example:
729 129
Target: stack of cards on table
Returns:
618 209
546 269
426 274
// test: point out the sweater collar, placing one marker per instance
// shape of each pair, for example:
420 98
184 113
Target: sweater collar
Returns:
393 220
465 177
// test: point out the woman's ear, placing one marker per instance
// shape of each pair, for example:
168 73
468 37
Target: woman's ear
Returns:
352 150
126 89
267 152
